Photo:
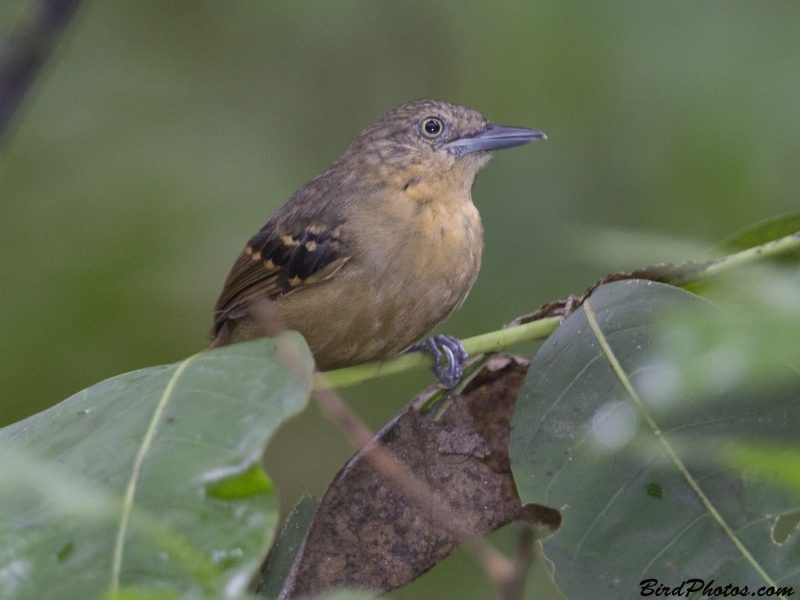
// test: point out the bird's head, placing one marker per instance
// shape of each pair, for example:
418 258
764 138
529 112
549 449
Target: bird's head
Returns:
433 137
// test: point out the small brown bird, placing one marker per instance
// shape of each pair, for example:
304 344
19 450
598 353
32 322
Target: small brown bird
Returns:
367 258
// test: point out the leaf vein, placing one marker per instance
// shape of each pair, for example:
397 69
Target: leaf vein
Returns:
130 492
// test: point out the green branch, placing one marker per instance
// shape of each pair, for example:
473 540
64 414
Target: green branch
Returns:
480 344
724 264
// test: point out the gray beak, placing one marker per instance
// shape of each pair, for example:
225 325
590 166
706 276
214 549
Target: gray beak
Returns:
494 137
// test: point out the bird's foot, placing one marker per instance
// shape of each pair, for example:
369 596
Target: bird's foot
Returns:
450 374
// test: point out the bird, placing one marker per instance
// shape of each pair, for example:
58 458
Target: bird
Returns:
367 258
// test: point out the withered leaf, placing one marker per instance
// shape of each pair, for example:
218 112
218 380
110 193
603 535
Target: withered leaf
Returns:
369 533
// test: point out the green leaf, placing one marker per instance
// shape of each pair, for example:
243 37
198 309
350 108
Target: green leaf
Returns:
239 482
779 463
345 595
763 232
283 552
637 469
135 594
150 482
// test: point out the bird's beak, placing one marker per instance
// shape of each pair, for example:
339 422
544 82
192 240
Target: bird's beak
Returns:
494 137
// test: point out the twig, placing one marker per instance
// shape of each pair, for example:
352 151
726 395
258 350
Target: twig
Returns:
724 264
26 50
513 587
480 344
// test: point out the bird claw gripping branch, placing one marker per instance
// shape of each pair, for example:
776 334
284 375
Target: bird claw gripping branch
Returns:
450 374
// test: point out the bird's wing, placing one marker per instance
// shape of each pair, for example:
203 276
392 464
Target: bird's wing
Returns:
277 262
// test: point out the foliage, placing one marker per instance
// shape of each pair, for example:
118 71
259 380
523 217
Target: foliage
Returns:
163 134
149 484
639 438
663 427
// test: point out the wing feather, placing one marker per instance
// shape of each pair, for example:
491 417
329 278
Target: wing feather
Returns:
275 263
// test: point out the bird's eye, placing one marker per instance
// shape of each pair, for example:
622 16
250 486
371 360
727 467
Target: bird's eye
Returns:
432 127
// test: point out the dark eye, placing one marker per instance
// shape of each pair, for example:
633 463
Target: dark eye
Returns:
432 127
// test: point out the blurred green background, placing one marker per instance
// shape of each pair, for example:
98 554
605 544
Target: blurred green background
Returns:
163 134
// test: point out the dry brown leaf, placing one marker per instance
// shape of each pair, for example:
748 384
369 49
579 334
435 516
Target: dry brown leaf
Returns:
369 533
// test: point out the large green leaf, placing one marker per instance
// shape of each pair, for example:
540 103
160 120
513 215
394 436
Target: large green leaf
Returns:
639 466
150 480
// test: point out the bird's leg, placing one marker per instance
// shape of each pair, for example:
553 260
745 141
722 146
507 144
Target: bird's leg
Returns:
450 374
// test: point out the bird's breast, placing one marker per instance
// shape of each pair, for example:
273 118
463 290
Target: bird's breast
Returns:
423 270
430 230
417 264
